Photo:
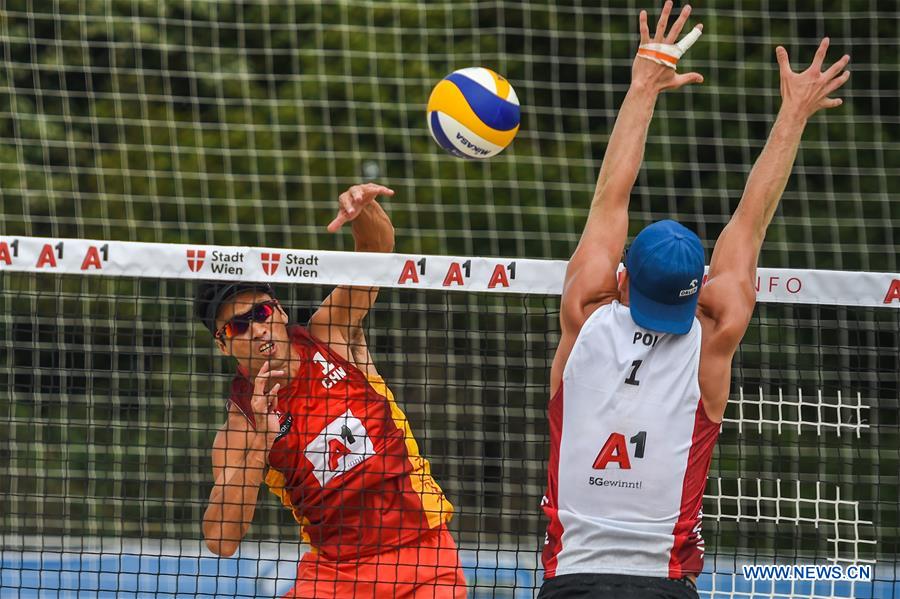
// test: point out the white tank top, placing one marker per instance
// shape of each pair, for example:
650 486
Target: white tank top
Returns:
630 451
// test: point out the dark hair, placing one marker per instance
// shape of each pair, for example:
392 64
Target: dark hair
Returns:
210 295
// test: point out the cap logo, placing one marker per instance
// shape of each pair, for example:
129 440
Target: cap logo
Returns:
690 290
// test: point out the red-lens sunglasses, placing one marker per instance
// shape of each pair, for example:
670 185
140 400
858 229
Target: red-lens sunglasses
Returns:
240 324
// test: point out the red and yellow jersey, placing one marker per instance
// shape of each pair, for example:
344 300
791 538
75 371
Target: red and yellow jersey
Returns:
345 461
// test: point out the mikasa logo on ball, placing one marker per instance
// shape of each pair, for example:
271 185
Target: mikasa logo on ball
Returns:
469 144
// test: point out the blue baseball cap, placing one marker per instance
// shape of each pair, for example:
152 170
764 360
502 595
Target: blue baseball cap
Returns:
665 270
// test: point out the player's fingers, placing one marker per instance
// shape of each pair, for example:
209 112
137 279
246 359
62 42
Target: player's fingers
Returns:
819 58
259 386
663 22
836 83
337 223
358 198
347 202
837 67
679 24
273 392
379 190
264 374
688 79
261 377
784 65
645 30
259 395
831 102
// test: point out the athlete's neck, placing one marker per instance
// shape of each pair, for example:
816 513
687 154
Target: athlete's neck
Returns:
291 368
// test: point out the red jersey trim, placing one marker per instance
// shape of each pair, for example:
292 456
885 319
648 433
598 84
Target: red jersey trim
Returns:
553 543
686 557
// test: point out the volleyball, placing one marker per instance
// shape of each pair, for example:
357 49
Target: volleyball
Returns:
473 113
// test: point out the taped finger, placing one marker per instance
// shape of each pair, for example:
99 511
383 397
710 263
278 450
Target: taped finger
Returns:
691 38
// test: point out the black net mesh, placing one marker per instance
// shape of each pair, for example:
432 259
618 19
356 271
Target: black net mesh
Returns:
111 393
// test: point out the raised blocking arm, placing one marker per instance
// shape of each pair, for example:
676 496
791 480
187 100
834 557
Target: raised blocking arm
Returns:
591 273
730 295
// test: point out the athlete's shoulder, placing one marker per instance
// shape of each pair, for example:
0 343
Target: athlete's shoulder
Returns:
606 312
300 336
308 344
601 308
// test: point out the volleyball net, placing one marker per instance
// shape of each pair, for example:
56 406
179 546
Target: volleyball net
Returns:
111 394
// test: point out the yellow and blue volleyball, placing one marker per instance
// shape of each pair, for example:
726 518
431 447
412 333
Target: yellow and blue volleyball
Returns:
473 113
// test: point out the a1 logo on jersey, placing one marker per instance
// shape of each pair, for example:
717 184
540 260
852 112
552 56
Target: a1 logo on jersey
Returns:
341 446
333 374
615 450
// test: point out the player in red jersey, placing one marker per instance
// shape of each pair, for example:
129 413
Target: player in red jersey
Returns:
311 417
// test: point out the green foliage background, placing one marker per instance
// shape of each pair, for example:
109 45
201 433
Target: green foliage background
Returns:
240 123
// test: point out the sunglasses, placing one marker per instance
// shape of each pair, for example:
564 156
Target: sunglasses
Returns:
240 324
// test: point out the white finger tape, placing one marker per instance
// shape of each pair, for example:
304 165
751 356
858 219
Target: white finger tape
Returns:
688 40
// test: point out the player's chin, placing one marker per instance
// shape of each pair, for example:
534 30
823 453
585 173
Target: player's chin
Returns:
276 356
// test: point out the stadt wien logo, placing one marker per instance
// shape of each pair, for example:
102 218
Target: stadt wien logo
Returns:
195 259
270 262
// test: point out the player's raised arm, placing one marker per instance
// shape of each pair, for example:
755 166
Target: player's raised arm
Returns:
730 295
338 320
591 274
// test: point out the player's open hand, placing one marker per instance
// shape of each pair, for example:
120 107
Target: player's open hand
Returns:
353 202
654 65
806 93
263 403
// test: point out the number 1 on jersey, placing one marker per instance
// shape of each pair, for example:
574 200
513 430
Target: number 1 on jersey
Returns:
632 380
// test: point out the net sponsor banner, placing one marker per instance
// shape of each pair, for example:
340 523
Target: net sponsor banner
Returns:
279 265
409 271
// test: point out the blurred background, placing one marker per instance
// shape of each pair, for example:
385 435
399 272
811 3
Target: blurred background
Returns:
239 123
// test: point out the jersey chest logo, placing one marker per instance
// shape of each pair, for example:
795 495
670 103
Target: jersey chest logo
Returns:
340 447
331 374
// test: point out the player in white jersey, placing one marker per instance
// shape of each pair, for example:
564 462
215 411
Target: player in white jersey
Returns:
643 369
